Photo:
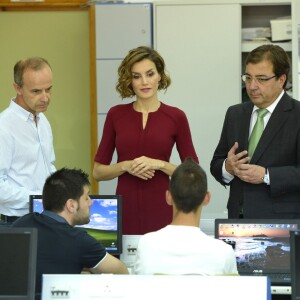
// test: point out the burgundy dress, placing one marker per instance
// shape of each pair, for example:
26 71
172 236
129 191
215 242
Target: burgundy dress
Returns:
144 205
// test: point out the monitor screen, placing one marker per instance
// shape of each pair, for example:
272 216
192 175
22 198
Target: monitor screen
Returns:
18 248
105 221
259 245
295 264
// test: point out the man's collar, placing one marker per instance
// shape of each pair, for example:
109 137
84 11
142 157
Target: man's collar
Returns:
54 216
271 107
23 113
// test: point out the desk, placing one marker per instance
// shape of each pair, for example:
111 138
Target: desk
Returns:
149 287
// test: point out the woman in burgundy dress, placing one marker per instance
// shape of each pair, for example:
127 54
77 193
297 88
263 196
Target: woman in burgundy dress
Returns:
143 133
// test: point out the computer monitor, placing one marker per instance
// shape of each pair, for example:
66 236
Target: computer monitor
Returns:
105 222
295 264
18 249
261 246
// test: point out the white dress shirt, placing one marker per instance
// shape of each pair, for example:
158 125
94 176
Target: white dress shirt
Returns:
26 158
227 177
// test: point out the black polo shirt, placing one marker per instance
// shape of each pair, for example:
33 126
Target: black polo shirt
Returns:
62 248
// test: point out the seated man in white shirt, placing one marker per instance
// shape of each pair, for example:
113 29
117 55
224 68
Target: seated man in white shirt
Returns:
181 247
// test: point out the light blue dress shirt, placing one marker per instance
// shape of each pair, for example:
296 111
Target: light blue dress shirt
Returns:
26 158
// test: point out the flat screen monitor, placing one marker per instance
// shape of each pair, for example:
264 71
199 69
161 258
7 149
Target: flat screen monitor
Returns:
18 249
295 264
105 221
261 246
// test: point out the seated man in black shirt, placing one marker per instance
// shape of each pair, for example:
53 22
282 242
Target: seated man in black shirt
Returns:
63 248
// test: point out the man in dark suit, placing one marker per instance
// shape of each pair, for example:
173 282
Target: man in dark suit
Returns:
265 184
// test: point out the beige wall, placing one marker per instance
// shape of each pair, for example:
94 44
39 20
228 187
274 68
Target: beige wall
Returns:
62 37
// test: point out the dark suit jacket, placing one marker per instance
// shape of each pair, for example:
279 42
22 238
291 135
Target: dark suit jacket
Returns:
278 150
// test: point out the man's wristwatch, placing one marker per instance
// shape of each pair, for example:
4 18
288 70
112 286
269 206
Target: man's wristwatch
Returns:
266 178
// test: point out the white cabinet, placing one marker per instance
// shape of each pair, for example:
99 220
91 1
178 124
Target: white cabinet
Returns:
119 28
201 47
107 76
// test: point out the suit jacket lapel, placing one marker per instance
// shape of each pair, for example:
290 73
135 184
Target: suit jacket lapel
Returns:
245 124
278 118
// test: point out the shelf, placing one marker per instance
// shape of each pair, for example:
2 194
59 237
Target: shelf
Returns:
250 45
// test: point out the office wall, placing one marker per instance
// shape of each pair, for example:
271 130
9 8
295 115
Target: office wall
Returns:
62 37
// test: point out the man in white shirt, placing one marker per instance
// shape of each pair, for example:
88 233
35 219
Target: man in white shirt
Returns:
181 247
26 142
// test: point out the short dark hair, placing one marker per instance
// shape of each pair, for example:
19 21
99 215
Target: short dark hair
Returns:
188 186
124 84
34 63
62 185
273 53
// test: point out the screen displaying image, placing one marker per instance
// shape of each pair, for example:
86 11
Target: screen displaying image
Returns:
105 220
103 225
259 246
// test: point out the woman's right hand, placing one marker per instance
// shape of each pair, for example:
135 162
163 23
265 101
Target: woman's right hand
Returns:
145 175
